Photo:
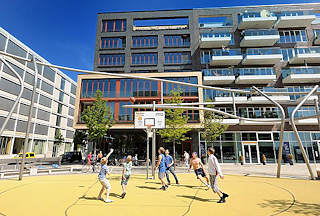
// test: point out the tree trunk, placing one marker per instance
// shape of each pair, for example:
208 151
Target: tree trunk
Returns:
174 155
94 148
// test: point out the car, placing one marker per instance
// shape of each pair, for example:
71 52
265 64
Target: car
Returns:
28 155
71 157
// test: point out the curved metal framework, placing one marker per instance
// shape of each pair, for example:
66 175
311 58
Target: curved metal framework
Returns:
190 106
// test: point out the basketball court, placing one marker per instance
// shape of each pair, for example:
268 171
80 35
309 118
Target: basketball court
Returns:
75 195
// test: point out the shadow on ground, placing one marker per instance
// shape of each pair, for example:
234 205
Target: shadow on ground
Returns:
147 187
180 185
294 208
197 198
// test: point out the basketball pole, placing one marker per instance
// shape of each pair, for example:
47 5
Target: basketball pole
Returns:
153 145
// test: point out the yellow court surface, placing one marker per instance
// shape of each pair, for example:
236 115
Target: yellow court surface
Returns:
75 195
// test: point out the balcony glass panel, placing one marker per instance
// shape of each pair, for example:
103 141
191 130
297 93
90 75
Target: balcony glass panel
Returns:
215 22
226 52
294 13
261 32
177 58
259 112
303 111
293 36
306 50
300 70
254 15
218 72
263 51
254 71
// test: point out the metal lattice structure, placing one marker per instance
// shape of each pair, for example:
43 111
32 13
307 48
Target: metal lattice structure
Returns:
190 106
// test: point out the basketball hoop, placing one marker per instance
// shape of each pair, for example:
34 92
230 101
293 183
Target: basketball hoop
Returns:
149 130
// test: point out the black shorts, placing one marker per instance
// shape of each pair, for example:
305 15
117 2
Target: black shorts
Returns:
200 172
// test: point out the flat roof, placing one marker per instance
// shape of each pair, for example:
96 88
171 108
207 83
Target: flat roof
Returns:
188 9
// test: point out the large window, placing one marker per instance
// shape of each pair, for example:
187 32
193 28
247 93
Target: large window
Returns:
144 42
142 88
112 59
177 58
125 114
144 59
187 91
176 40
259 112
119 25
113 43
293 36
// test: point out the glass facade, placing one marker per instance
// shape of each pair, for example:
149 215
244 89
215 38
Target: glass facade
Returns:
187 91
177 58
144 42
119 25
113 43
176 40
293 36
112 59
144 58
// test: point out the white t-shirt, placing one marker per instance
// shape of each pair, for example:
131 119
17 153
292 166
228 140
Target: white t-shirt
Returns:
214 166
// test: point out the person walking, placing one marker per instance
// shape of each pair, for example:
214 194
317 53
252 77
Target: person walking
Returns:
126 172
162 168
168 160
186 158
199 169
214 171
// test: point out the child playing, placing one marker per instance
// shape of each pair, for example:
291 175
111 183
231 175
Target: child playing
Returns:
126 172
102 178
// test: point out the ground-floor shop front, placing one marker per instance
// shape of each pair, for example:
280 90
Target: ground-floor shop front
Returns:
231 147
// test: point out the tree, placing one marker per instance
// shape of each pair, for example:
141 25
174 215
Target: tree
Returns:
176 122
211 125
78 139
58 138
98 119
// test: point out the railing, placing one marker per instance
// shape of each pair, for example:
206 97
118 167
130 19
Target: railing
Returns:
215 24
256 15
302 112
300 70
309 50
254 71
260 32
216 35
294 13
226 52
218 72
263 51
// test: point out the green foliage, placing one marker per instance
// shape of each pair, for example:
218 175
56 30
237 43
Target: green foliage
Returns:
98 118
58 138
211 125
78 137
175 122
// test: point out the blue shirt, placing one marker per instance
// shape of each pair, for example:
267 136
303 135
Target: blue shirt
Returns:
168 160
103 172
162 166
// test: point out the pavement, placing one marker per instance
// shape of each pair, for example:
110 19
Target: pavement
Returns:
75 195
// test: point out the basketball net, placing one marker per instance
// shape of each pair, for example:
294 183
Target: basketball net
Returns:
149 131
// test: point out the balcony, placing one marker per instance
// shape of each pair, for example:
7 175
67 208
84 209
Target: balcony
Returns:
294 19
229 57
256 20
218 76
258 38
255 75
215 40
316 36
263 56
305 55
301 75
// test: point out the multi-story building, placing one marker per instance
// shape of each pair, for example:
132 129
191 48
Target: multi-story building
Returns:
53 108
274 48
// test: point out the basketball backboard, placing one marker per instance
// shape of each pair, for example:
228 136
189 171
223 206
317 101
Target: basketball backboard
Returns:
154 118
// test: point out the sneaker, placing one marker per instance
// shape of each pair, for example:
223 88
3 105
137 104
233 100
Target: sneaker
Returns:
100 198
123 195
224 195
222 200
177 183
168 183
108 200
208 187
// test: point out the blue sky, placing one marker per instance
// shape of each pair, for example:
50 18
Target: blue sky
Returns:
63 31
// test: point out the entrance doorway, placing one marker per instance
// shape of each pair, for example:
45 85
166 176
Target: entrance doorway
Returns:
250 152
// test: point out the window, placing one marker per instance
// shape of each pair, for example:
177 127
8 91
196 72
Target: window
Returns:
249 137
119 25
187 91
144 42
176 40
125 114
63 83
58 121
113 43
293 36
144 59
264 136
59 108
61 95
112 59
177 58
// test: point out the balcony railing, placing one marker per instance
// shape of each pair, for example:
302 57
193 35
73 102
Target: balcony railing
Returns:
218 72
177 44
254 71
256 15
293 13
300 70
226 52
260 32
309 50
216 35
263 51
